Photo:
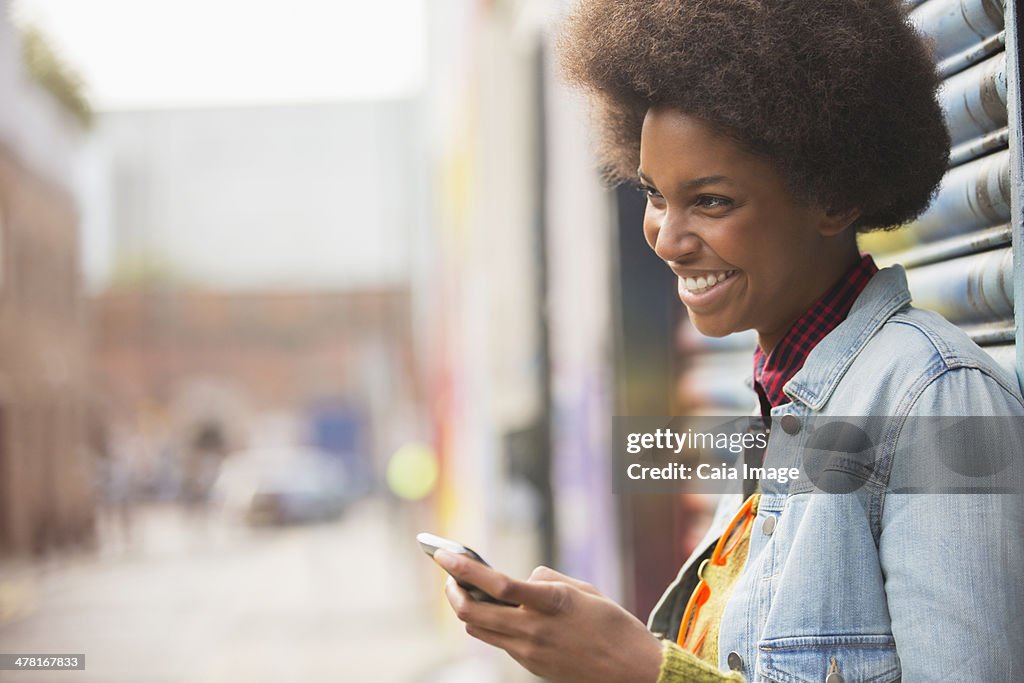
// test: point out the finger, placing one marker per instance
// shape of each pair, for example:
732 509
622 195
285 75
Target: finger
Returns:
517 648
488 616
547 597
495 638
543 573
469 571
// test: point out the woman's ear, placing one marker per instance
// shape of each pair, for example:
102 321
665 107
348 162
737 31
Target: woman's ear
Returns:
834 222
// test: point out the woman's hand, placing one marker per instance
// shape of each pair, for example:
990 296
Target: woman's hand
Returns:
564 630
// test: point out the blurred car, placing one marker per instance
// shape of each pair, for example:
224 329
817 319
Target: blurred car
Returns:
294 485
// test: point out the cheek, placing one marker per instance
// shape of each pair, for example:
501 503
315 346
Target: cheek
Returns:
761 248
651 226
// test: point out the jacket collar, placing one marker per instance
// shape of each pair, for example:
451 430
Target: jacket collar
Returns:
828 362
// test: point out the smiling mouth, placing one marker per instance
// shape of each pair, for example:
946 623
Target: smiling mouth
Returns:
705 283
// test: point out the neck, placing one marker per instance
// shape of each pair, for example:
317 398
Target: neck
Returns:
833 266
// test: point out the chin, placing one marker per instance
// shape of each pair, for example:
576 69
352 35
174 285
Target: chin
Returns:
712 328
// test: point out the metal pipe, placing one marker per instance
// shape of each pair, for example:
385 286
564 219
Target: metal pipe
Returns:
1014 105
973 196
974 101
973 289
955 25
1004 355
972 149
952 247
972 55
1001 332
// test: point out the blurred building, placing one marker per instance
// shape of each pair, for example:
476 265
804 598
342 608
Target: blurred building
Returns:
46 485
170 360
301 196
261 268
520 291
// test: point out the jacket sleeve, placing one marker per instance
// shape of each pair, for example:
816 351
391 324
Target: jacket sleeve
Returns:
680 666
951 544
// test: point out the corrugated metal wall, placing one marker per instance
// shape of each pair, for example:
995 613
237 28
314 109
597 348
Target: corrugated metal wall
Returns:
959 253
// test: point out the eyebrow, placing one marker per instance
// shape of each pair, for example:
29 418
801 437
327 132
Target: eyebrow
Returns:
690 184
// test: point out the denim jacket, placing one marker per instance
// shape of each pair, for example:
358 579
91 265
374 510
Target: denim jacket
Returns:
876 584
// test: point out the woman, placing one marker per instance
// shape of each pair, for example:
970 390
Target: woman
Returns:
766 135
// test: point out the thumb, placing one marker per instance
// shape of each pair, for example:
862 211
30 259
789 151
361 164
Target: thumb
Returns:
543 573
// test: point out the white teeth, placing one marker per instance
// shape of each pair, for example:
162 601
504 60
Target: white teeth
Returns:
703 283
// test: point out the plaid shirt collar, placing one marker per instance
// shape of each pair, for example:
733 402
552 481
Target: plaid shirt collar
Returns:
772 371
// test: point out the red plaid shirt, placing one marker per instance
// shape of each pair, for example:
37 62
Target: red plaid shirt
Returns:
771 372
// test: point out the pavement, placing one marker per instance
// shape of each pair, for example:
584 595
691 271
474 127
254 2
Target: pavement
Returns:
182 598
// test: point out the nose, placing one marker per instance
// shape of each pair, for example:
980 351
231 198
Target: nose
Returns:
670 236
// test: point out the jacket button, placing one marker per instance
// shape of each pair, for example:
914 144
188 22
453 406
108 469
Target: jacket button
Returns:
835 678
735 661
790 423
769 525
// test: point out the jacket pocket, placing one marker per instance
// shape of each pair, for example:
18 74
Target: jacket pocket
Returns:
809 659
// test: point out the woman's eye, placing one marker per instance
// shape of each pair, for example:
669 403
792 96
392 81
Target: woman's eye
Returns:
708 201
650 192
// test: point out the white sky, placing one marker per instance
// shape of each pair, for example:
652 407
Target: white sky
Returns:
169 53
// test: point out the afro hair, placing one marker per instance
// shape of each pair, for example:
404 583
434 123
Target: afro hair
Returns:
840 95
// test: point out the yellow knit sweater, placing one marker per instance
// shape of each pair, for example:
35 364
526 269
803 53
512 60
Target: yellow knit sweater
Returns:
679 665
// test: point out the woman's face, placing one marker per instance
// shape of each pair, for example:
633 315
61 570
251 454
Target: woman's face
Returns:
747 253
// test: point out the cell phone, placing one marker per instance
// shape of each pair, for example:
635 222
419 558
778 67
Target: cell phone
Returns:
430 543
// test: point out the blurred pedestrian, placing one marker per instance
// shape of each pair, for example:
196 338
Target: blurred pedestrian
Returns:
203 460
116 483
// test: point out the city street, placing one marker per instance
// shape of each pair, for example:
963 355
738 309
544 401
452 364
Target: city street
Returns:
188 601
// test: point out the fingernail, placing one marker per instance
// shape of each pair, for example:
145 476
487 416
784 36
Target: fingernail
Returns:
444 558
